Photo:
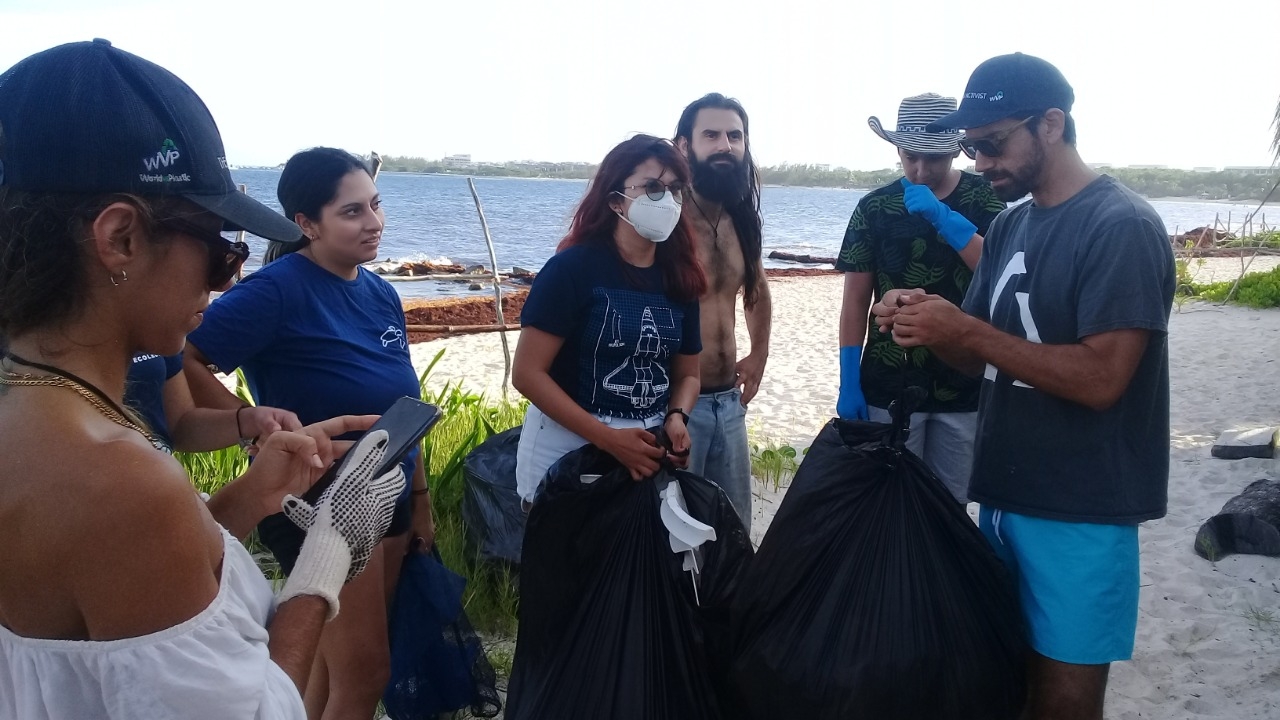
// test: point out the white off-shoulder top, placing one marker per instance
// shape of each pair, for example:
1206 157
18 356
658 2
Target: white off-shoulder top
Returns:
215 665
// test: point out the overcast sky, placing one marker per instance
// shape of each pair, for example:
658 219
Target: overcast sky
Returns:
567 79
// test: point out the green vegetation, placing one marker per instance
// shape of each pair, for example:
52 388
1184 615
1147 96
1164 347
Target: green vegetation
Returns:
1151 182
468 419
564 171
772 464
1218 185
1255 290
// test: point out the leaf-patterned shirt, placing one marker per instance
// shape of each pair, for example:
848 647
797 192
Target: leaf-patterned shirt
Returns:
905 251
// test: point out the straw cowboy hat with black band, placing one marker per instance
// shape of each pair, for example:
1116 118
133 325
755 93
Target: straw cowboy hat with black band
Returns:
914 114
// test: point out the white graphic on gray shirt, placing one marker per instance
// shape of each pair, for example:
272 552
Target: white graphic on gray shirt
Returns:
1016 266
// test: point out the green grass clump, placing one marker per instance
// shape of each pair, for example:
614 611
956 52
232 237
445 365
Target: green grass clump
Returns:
1255 290
468 419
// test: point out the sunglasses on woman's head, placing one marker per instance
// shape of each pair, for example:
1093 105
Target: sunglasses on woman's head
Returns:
225 257
655 189
992 145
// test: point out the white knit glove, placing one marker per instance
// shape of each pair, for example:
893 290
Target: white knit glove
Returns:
345 524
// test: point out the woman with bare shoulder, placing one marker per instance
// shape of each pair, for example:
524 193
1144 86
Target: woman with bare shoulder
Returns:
124 593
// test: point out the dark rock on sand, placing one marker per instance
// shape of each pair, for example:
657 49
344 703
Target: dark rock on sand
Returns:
1249 523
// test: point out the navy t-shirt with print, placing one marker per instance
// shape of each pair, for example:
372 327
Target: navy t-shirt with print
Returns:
144 390
312 342
620 331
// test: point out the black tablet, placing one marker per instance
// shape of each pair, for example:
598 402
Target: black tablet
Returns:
406 422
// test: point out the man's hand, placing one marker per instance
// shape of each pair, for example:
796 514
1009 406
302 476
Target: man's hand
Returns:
750 370
887 308
928 320
956 229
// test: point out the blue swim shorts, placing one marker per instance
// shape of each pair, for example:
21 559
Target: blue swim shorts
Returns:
1077 583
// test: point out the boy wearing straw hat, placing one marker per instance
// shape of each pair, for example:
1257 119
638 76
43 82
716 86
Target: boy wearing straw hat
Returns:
923 230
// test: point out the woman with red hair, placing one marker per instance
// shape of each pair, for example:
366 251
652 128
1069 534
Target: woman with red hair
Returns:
609 336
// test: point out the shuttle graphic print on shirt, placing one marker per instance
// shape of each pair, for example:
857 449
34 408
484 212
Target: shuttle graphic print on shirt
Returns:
634 343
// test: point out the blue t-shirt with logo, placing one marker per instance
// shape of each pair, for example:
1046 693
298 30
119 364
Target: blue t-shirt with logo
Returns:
620 331
144 390
312 342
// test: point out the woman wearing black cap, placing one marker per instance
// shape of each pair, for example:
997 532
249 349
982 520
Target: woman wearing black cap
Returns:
123 593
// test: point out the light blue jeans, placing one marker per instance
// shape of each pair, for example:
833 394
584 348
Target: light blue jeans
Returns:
944 441
719 452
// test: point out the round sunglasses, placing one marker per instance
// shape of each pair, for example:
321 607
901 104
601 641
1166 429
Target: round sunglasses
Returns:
655 189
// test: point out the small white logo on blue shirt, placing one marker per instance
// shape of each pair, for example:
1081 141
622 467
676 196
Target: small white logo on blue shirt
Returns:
393 336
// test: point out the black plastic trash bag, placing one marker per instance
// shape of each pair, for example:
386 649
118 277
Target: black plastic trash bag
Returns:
873 595
490 506
437 662
611 625
1248 523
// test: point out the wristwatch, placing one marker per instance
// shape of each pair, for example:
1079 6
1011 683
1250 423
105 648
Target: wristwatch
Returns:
677 411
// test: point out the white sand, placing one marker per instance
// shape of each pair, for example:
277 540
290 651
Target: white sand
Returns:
1208 642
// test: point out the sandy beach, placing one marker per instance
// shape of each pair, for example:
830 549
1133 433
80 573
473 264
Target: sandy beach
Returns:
1208 643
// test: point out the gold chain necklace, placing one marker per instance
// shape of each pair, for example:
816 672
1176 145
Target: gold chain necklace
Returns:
24 380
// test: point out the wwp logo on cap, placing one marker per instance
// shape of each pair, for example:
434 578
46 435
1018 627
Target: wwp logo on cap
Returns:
167 156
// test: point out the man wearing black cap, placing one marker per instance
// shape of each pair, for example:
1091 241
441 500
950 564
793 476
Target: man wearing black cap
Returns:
924 229
1067 321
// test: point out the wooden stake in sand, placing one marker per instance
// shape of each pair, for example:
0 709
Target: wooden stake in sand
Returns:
497 287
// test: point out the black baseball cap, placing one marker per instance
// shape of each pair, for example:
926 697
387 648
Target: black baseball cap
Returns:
89 118
1008 86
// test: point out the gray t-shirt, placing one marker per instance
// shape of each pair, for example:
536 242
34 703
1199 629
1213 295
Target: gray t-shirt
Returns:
1098 262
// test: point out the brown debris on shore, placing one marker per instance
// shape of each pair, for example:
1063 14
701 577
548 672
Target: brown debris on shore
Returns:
470 312
1200 238
457 311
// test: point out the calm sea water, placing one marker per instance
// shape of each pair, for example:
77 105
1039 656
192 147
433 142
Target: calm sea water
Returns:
432 217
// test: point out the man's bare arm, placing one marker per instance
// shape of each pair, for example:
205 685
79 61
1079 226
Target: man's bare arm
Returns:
1093 372
759 317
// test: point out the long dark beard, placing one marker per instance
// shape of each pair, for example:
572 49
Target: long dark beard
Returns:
720 181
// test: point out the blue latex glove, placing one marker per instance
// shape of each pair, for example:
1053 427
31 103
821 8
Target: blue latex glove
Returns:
951 225
851 405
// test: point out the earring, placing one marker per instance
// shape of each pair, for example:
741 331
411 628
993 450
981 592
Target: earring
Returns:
124 277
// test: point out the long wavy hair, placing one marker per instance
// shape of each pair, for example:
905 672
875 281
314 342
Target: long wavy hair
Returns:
748 223
594 222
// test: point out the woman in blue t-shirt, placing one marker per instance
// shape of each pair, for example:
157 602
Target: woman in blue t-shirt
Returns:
609 337
320 336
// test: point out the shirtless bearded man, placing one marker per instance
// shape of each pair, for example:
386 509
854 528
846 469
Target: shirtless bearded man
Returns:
723 211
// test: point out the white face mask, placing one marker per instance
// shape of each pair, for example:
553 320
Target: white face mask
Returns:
653 219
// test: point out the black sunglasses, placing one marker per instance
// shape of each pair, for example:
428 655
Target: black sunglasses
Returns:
655 189
225 257
992 145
